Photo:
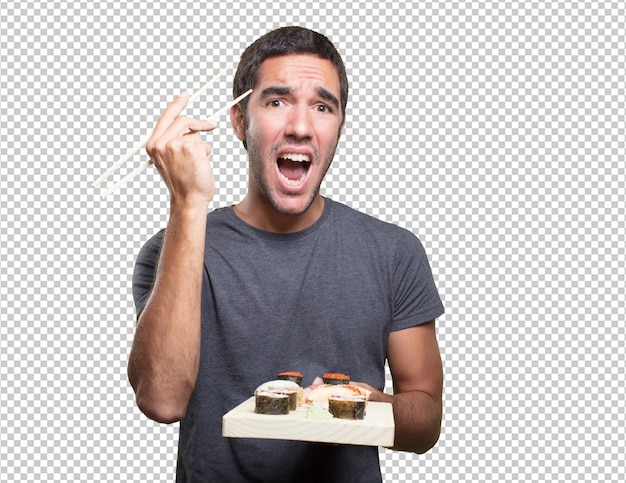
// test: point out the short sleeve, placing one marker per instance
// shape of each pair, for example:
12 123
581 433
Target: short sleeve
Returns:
416 298
145 269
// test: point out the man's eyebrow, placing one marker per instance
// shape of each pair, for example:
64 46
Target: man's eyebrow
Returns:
328 96
275 91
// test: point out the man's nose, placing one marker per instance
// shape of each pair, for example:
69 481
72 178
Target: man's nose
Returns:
300 122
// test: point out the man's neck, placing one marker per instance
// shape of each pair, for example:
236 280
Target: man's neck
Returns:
263 216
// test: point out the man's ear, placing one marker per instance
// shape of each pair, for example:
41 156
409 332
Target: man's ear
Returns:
342 129
236 119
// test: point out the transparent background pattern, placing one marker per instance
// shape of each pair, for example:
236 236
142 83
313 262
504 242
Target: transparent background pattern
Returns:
493 130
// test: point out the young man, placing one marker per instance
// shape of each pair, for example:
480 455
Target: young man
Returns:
284 280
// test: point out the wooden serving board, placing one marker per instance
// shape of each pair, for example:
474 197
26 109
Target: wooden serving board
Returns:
376 429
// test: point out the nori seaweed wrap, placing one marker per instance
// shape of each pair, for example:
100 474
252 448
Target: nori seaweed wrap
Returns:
343 407
267 402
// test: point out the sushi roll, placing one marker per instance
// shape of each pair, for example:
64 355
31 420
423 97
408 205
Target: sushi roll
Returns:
347 407
290 376
292 394
267 402
285 387
336 378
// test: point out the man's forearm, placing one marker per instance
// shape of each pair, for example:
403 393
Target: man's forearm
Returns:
418 421
417 418
164 359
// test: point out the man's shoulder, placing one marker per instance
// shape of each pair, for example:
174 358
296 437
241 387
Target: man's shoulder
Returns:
363 229
350 216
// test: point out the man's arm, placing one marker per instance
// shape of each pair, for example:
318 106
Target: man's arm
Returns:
416 369
164 359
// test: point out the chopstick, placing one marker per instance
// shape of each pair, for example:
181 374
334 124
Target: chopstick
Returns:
142 167
143 141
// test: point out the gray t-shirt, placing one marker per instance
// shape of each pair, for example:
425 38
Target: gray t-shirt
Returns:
320 300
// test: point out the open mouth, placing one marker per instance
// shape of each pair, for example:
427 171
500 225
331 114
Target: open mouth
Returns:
293 168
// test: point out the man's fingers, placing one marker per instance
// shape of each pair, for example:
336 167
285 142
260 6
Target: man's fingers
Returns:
170 114
188 147
185 125
179 128
182 130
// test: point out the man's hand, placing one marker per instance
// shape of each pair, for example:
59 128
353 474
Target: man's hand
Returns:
182 157
376 395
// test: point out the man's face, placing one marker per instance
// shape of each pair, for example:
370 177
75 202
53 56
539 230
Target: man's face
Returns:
294 123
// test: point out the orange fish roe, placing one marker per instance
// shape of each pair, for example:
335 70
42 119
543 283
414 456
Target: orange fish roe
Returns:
336 378
293 376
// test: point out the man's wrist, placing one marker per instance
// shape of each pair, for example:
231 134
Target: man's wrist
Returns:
188 210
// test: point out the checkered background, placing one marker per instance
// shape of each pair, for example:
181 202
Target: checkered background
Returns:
493 130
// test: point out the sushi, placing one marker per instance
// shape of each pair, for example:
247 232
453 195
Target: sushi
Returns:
347 407
321 394
336 378
290 376
267 402
291 389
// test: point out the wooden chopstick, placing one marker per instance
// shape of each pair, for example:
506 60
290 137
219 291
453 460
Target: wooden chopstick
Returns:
143 141
142 167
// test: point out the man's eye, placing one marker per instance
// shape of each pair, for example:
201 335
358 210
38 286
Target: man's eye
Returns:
274 103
